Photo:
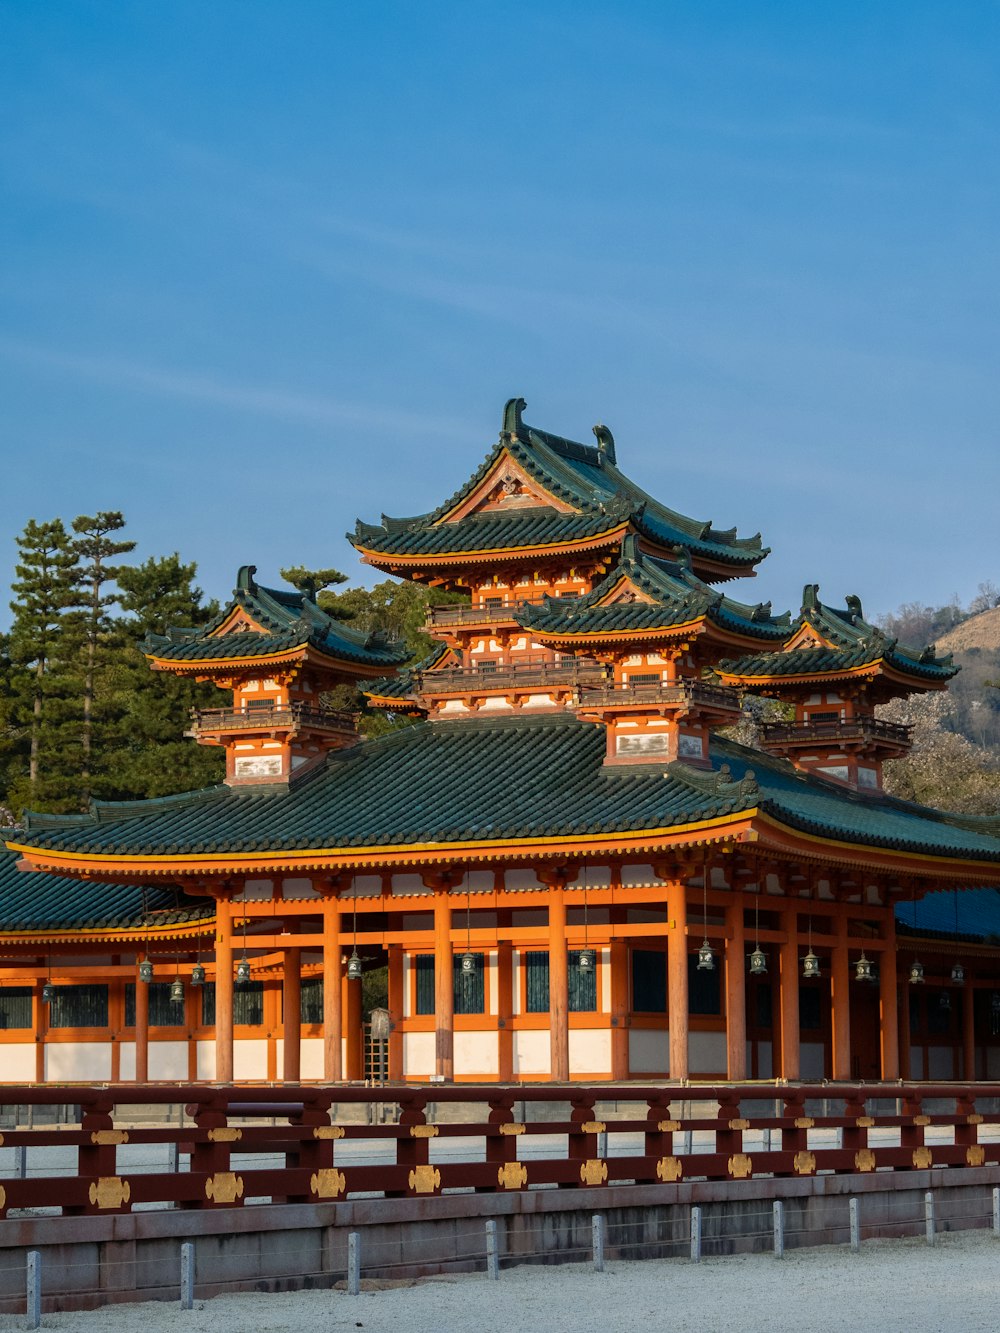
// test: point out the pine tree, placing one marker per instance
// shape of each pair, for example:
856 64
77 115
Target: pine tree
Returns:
41 707
96 548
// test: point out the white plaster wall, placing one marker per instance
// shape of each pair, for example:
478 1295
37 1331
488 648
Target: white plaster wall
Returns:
532 1052
78 1062
477 1053
296 889
18 1063
492 994
707 1053
250 1059
940 1063
765 1060
648 1052
168 1060
604 999
418 1054
811 1059
126 1061
590 1051
205 1060
312 1057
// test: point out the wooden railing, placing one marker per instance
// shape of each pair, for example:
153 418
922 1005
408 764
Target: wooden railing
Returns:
836 730
460 614
314 1149
454 680
287 715
678 692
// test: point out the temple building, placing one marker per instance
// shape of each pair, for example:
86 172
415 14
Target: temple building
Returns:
565 862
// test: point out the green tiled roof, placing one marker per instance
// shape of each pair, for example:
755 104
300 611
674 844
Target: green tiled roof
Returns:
477 779
38 901
290 619
582 476
679 596
856 643
402 686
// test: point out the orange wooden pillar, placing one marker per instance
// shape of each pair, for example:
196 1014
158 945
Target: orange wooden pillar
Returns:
333 1009
40 1022
141 1029
505 1011
677 978
841 1001
353 1034
968 1031
736 991
904 1031
444 987
619 1010
558 983
291 1015
395 1044
788 983
223 990
888 989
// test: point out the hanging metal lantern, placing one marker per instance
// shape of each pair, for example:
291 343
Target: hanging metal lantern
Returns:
470 961
916 973
944 1001
706 957
177 991
585 962
810 965
758 963
242 972
197 975
863 969
958 975
146 971
49 993
354 968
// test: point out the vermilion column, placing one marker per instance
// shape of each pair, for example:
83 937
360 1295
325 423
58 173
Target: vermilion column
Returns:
558 984
223 990
444 987
840 983
333 1055
904 1032
395 1043
968 1032
619 1010
353 1032
141 1029
505 1011
677 978
788 981
888 986
736 991
291 1014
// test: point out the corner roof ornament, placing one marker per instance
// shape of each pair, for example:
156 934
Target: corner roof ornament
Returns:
605 443
853 604
245 580
512 417
810 598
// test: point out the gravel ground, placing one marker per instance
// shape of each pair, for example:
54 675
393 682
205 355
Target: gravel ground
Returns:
891 1285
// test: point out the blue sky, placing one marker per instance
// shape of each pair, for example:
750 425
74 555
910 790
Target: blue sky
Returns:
268 267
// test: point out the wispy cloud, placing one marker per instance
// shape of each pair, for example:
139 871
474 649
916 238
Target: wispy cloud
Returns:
274 401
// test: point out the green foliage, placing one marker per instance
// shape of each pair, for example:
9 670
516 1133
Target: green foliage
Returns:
312 581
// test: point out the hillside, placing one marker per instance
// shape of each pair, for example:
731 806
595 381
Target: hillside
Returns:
980 632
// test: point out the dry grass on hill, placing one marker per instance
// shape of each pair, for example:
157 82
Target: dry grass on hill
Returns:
982 631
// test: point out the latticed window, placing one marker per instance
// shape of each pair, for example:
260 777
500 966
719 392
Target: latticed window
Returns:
649 981
311 1000
582 984
15 1006
424 968
470 987
79 1007
704 988
810 1009
536 976
644 678
163 1011
248 1004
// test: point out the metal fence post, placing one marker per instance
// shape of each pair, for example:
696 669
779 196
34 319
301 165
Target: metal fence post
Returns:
602 1144
695 1234
34 1292
597 1232
353 1263
854 1208
779 1229
996 1211
21 1161
492 1262
929 1216
187 1276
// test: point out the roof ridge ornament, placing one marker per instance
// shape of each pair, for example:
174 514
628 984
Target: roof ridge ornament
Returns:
853 604
512 410
605 443
245 579
810 598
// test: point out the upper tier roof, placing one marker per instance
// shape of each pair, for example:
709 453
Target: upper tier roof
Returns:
850 644
517 778
590 498
678 598
288 620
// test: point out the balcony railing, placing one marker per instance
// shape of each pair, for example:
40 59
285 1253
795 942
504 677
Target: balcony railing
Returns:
835 730
455 680
460 615
272 718
678 692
